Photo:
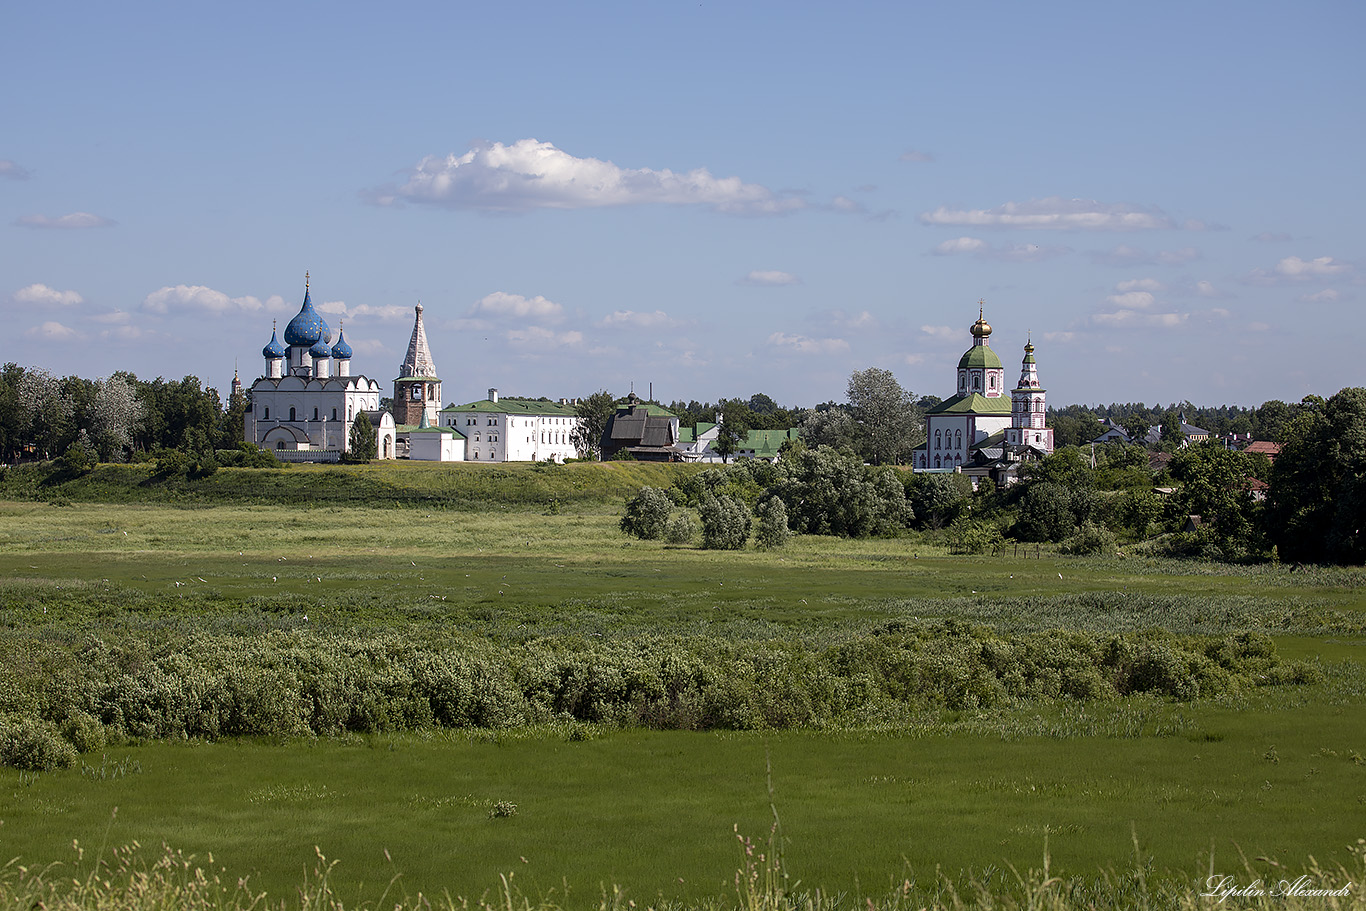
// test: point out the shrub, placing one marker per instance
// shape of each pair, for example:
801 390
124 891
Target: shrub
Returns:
1090 539
647 514
772 531
681 529
33 745
725 523
84 732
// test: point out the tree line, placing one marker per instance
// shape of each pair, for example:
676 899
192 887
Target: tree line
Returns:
114 419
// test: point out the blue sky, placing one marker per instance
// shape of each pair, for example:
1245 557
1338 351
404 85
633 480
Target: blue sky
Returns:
714 198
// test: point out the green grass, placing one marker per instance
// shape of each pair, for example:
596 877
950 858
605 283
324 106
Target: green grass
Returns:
858 811
967 792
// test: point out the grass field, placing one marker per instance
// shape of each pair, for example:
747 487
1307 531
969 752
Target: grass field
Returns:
1274 772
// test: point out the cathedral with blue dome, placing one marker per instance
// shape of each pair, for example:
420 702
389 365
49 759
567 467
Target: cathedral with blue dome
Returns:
303 407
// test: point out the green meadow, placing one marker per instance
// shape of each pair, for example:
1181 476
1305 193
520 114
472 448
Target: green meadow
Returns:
1264 769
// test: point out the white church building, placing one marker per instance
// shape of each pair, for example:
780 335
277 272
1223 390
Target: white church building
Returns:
303 407
980 427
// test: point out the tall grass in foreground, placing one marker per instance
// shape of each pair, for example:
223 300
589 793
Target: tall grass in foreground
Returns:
129 879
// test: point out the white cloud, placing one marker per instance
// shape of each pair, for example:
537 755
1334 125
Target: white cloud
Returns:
845 204
52 331
112 317
801 344
916 157
1140 284
960 245
383 312
529 174
501 305
1059 336
1126 319
634 320
537 339
47 297
1131 300
1326 296
1125 255
944 332
1055 213
1016 253
64 222
769 277
861 320
198 297
1294 269
1207 289
13 170
123 333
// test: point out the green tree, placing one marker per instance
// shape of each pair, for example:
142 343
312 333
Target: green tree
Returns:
828 492
594 413
1316 506
362 442
772 531
832 426
726 523
1215 484
937 500
647 514
734 430
888 421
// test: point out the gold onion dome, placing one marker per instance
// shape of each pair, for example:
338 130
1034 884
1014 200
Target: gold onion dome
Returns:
981 328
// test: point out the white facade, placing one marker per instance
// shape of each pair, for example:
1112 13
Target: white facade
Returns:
981 413
514 430
302 403
435 444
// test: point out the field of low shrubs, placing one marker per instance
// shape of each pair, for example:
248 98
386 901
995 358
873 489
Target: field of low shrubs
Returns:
57 698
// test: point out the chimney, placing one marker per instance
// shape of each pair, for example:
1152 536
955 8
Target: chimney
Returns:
493 395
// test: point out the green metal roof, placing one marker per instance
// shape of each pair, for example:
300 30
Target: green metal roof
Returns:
973 403
766 443
514 406
979 356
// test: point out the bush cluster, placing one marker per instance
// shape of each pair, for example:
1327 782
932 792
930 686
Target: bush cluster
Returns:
299 683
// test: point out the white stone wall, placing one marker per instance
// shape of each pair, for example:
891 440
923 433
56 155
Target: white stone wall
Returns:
323 410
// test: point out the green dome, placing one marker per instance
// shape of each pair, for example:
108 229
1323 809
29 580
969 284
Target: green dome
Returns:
979 356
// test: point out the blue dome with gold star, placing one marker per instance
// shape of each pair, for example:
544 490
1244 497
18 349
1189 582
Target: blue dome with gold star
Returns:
274 349
307 328
341 351
320 349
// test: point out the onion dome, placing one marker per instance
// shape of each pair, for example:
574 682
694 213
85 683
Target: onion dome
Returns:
981 328
341 351
320 349
274 350
307 328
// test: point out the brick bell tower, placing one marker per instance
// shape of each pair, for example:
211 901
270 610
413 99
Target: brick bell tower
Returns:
417 389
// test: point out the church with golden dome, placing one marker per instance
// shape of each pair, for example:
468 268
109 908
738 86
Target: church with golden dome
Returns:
982 429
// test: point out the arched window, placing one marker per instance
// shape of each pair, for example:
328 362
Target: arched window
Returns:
334 414
291 413
937 442
267 417
315 414
936 461
279 444
958 439
976 383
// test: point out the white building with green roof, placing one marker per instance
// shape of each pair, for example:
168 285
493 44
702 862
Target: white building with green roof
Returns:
514 430
982 415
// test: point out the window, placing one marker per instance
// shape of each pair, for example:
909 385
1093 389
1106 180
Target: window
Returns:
291 413
976 383
315 414
279 444
334 414
938 444
267 417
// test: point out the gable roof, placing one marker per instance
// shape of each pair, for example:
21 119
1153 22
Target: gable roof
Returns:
515 406
973 403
